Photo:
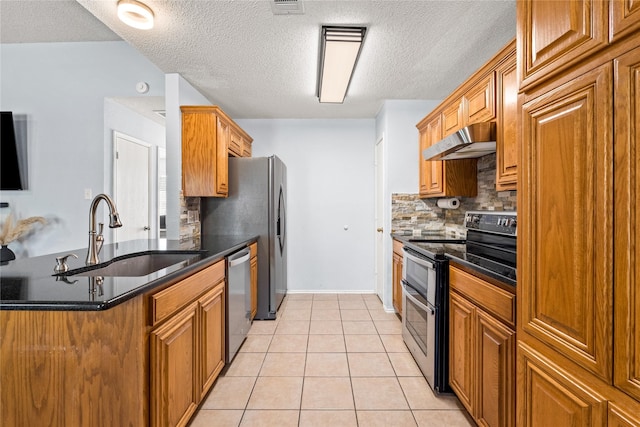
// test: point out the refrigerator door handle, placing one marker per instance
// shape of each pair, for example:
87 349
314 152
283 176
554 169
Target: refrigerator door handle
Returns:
281 231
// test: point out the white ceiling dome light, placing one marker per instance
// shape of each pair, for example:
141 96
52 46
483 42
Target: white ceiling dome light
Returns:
135 14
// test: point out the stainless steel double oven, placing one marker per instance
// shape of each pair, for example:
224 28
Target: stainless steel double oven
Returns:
489 249
425 313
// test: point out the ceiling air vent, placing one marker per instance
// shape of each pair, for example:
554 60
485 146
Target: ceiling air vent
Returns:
287 7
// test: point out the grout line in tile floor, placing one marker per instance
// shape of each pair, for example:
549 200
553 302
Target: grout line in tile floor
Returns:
321 398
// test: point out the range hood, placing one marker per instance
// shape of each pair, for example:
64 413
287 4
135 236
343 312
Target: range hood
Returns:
476 140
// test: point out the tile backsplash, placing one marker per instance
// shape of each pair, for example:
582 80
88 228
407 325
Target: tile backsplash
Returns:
189 222
415 216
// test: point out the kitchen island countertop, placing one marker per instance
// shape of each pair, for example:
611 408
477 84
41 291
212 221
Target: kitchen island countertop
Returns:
30 283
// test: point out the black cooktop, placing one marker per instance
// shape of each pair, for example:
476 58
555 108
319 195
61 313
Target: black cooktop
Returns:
466 254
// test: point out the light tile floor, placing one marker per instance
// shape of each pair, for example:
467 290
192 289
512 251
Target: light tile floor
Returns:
328 360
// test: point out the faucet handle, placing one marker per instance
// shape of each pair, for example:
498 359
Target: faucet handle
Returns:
100 230
61 263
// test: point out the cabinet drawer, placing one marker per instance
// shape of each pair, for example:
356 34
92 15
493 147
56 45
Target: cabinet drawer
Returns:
253 248
397 247
167 301
489 297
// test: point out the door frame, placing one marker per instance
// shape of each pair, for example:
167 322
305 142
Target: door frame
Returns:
379 219
152 210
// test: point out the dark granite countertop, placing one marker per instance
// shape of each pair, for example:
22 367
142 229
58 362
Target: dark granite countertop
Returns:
30 283
493 272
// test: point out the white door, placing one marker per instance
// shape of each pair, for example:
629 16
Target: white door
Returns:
379 219
132 168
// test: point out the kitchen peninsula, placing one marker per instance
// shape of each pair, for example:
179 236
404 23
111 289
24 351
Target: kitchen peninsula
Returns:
97 350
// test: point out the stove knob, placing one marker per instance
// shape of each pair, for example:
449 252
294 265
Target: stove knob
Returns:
513 222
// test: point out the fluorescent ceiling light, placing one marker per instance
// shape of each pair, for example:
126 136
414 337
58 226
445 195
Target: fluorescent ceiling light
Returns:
339 51
135 14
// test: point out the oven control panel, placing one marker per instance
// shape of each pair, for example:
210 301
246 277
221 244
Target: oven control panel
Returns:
503 222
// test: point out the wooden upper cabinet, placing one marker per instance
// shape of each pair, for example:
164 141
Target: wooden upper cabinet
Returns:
444 178
208 137
564 245
479 103
200 152
625 18
222 162
235 144
239 143
554 35
507 125
452 119
627 221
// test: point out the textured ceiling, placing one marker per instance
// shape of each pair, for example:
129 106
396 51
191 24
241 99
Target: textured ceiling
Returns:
258 65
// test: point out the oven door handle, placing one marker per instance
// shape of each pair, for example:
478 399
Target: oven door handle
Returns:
414 300
417 260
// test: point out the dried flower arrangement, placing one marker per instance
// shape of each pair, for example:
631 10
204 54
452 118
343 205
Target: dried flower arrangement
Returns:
10 231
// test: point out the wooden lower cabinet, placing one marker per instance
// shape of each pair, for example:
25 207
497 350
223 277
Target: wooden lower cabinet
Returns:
187 350
396 291
211 324
481 357
461 349
174 397
547 393
74 368
253 248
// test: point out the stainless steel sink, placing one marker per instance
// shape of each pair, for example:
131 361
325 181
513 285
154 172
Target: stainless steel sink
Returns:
141 264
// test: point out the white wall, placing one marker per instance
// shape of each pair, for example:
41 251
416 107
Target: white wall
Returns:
61 88
177 92
330 185
119 118
396 125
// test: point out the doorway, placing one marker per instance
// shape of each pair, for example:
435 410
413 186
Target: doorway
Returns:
379 218
132 170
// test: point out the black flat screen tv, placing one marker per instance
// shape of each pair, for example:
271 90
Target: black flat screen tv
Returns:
9 164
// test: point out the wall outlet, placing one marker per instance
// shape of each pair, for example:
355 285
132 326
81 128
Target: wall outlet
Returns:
88 194
193 216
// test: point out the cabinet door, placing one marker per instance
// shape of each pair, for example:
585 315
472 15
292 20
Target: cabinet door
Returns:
461 345
619 418
452 120
547 394
174 396
235 143
199 164
625 18
435 172
564 244
431 174
397 282
627 220
254 287
495 379
507 129
246 148
222 157
211 319
553 35
479 103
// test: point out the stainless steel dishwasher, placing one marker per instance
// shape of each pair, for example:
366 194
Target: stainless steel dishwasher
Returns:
238 301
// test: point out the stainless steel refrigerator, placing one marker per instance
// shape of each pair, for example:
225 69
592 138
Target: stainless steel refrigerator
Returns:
256 205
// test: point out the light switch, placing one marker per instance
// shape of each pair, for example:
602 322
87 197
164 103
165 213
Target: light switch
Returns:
87 194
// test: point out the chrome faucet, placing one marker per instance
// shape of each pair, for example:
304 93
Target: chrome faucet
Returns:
96 240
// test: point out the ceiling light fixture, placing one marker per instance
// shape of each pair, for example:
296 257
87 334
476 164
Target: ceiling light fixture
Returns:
135 14
339 51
